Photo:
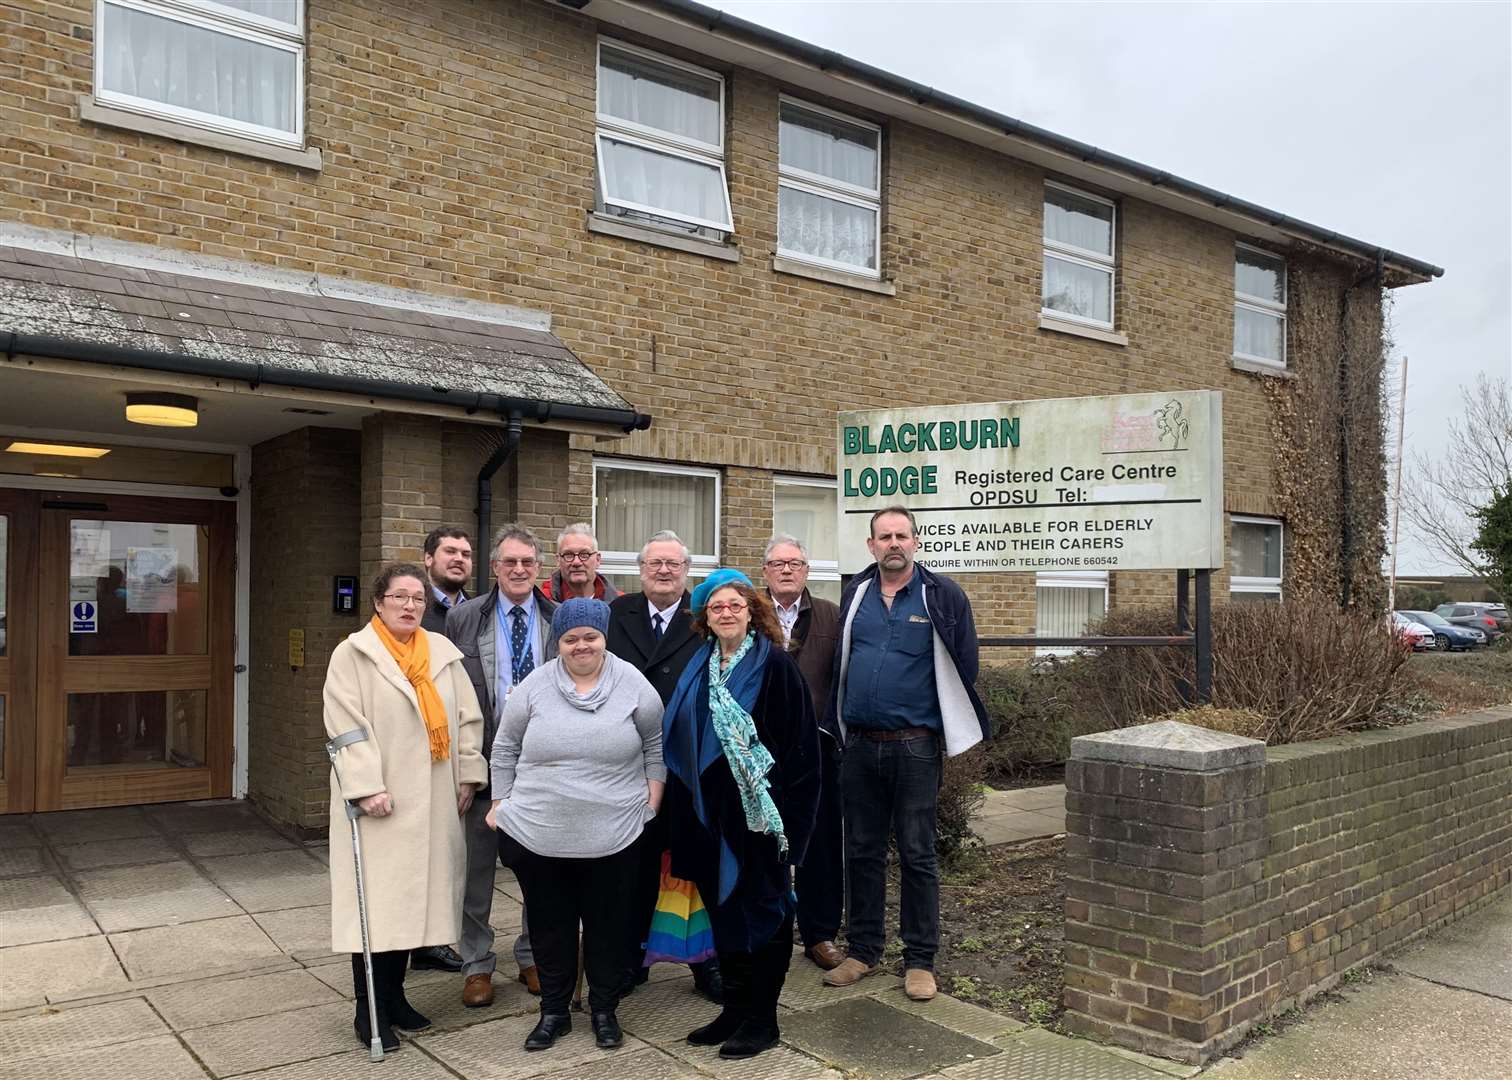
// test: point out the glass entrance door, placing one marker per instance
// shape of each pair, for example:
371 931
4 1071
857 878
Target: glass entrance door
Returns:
134 650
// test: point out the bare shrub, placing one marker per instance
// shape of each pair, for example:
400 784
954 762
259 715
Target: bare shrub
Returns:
961 795
1244 722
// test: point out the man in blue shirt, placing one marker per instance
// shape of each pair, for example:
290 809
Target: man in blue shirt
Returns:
904 699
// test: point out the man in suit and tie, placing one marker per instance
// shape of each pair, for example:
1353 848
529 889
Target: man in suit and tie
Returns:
504 635
653 629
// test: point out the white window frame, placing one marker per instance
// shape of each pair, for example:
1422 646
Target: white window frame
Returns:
1066 579
221 19
1263 305
815 184
627 131
1096 260
819 569
626 562
1251 584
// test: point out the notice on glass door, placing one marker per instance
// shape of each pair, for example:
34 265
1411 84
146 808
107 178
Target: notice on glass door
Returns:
89 550
151 579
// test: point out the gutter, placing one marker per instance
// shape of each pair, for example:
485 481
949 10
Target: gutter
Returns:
502 453
721 23
256 374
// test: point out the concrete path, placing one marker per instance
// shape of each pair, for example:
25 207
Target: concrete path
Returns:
1442 1012
1006 817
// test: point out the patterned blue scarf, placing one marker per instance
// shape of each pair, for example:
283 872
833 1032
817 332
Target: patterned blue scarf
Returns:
749 760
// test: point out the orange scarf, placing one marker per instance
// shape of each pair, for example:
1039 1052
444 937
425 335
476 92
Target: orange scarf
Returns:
414 660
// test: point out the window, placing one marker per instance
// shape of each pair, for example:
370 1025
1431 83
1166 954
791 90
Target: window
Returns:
805 508
632 500
234 66
829 189
661 140
1066 603
1254 558
1259 306
1079 233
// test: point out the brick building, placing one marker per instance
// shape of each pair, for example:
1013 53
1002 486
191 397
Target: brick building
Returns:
377 248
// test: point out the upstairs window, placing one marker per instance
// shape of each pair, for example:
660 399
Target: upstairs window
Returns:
829 189
1259 306
1254 558
661 140
235 66
1079 235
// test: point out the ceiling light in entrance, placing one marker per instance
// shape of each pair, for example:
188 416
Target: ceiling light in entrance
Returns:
56 449
162 410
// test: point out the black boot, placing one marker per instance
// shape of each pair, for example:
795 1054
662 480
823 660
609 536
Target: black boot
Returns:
708 981
758 1030
735 969
401 1013
362 1022
549 1028
606 1030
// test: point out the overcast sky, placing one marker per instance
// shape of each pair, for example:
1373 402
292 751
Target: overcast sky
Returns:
1391 123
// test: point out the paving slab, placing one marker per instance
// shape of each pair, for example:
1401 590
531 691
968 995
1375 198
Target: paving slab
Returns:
1036 1054
664 1012
505 915
159 1058
84 826
304 933
123 852
192 947
39 908
407 1064
438 994
16 833
279 1039
247 841
805 989
179 819
961 1017
1472 954
219 1001
60 1033
271 880
1051 796
505 882
30 973
869 1039
778 1063
162 894
21 861
648 1064
495 1050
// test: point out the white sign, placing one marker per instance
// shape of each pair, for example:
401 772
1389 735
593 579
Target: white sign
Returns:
151 579
1133 482
84 618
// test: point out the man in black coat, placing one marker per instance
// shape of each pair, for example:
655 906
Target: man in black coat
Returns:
653 630
449 563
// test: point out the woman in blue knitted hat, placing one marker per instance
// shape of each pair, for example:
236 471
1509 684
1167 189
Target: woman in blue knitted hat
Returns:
741 747
576 774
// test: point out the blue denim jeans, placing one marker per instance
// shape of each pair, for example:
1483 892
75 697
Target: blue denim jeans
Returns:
892 787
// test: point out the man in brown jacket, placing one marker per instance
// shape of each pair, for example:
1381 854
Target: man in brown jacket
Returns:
810 625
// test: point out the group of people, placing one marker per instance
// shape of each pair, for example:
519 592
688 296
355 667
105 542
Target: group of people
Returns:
755 745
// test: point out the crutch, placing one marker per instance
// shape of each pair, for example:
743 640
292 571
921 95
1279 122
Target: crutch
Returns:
353 812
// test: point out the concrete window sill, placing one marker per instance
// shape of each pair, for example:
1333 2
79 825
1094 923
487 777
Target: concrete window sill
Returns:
609 225
1061 326
799 268
1255 367
92 111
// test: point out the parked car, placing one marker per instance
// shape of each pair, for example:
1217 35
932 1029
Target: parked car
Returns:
1490 619
1412 634
1446 634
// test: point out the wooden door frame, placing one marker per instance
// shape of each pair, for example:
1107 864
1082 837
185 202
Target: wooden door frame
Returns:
18 667
54 789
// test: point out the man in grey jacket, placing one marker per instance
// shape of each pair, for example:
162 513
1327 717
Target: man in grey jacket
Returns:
504 635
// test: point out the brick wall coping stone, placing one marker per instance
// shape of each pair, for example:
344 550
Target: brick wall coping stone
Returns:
1169 744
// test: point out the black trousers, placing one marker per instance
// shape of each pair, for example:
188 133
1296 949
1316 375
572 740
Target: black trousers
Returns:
820 881
559 895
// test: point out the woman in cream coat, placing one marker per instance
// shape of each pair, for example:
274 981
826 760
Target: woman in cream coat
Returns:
413 769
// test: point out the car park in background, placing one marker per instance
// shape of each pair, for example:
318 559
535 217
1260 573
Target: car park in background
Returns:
1412 634
1448 636
1490 619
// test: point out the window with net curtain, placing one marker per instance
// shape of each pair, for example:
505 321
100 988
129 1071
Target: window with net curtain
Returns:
661 141
238 70
806 509
630 502
1259 306
1078 268
1255 558
829 189
1067 603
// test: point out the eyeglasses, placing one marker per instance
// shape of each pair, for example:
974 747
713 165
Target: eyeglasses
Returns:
664 564
575 556
510 564
734 607
405 599
791 564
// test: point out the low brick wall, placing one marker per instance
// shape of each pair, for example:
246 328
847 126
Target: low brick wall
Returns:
1213 882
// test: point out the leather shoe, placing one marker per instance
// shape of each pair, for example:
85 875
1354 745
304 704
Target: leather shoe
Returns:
825 955
531 978
708 980
478 991
549 1028
606 1031
435 958
850 972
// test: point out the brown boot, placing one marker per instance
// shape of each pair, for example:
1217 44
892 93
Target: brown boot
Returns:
850 972
825 955
919 984
478 991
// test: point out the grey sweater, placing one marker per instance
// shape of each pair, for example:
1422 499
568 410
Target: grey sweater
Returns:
569 773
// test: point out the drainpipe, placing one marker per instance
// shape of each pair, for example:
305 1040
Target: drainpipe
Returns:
502 453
